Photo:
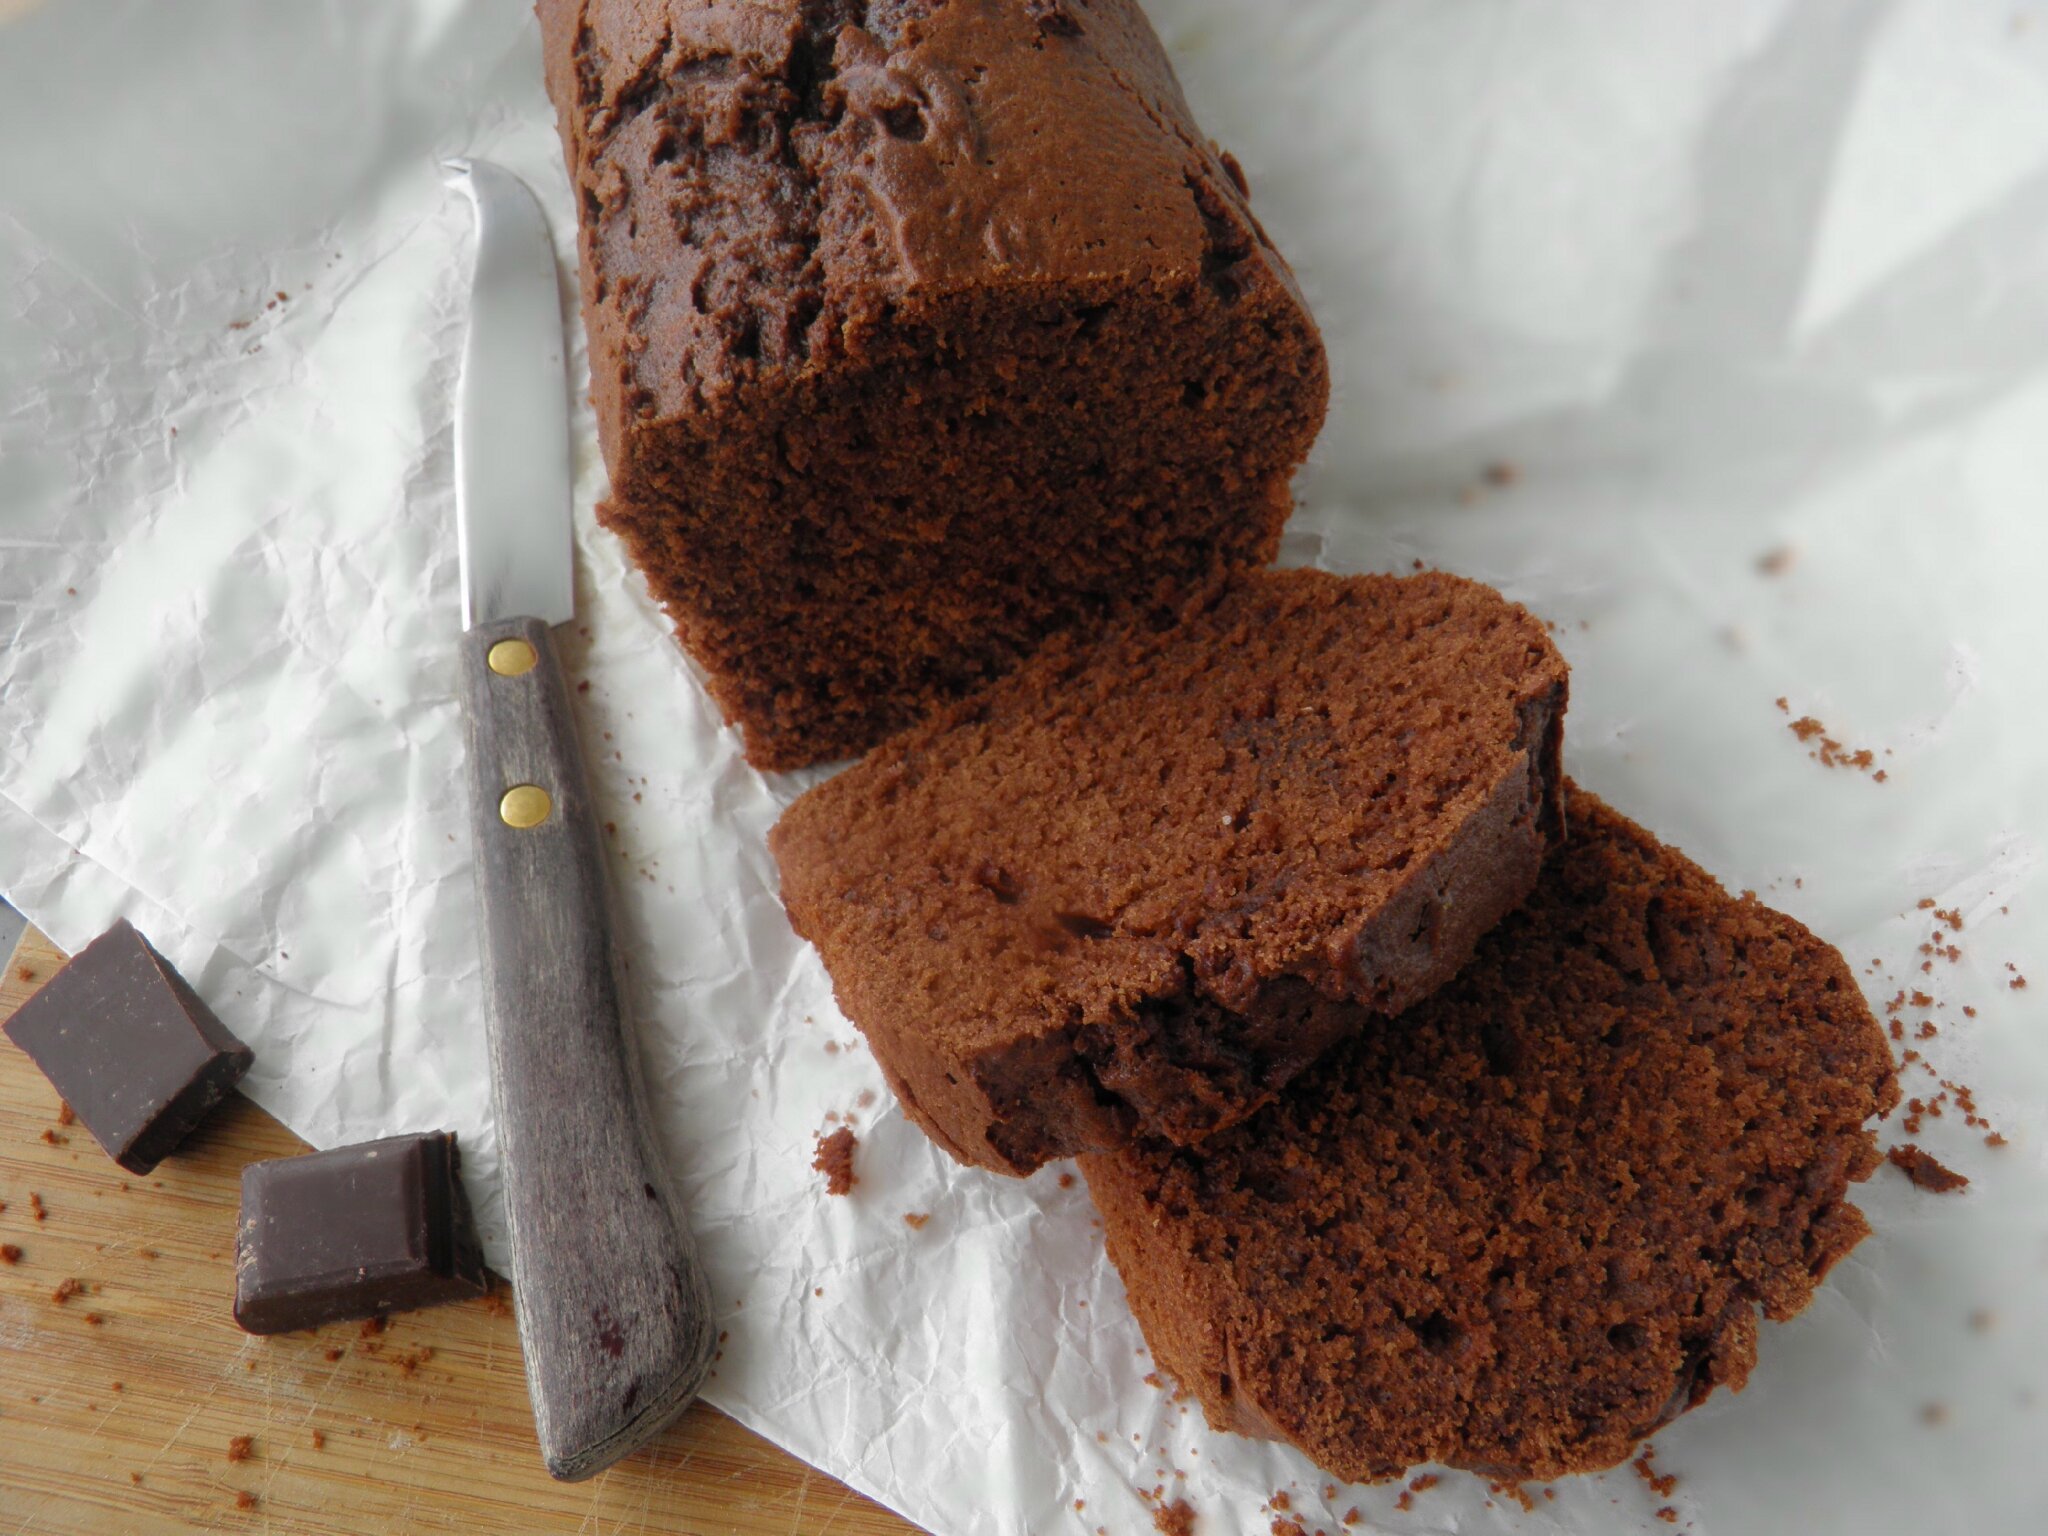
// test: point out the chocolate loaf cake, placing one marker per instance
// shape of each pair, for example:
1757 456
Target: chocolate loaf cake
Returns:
1533 1219
1138 884
919 330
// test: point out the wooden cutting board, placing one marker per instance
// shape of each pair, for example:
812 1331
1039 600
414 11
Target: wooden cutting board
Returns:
121 1406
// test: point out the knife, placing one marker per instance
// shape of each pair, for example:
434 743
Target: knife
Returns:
614 1313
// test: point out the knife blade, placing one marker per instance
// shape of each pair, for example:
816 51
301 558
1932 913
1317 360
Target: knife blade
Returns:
614 1313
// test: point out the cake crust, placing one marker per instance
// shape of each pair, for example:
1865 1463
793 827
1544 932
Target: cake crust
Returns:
1135 887
918 332
1535 1218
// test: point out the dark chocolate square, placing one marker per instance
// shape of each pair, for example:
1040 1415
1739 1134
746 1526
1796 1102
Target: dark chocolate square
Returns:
134 1051
356 1232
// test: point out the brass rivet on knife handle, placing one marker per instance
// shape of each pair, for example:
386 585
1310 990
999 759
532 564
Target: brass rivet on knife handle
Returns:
525 805
512 658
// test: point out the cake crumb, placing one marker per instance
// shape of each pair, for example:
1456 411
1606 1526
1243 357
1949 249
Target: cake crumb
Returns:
372 1326
66 1290
245 1500
318 1440
24 973
1284 1527
1175 1519
10 1253
333 1355
1925 1172
241 1448
64 1112
834 1159
1066 1181
1661 1483
1281 1502
1668 1515
915 1220
1353 1515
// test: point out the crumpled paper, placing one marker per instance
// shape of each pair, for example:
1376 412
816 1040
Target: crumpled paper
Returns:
1714 333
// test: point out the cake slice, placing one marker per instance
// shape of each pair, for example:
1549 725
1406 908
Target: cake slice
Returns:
1136 886
919 330
1527 1223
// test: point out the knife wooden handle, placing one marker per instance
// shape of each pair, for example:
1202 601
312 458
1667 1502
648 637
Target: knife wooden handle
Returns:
614 1313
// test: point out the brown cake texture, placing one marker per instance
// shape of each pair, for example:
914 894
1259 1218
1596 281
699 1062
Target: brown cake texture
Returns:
1535 1218
1135 886
919 330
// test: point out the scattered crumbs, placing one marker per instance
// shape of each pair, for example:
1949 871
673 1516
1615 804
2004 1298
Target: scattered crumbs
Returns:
1925 1172
319 1440
1281 1502
66 1290
1424 1483
24 973
1668 1515
1784 705
117 1386
819 1291
333 1355
1830 753
135 1478
834 1159
1289 1528
241 1448
494 1303
1152 1380
52 1139
1934 1413
245 1500
1352 1515
1175 1519
915 1220
866 1099
1776 562
1513 1491
1405 1502
94 1320
2019 983
150 1254
409 1363
240 325
584 686
1994 1140
1661 1483
372 1326
831 1047
1079 1505
1066 1181
10 1253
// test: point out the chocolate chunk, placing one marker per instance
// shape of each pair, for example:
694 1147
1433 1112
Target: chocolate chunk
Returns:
132 1048
356 1232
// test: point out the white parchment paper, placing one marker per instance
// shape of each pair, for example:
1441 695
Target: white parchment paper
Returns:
1716 333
